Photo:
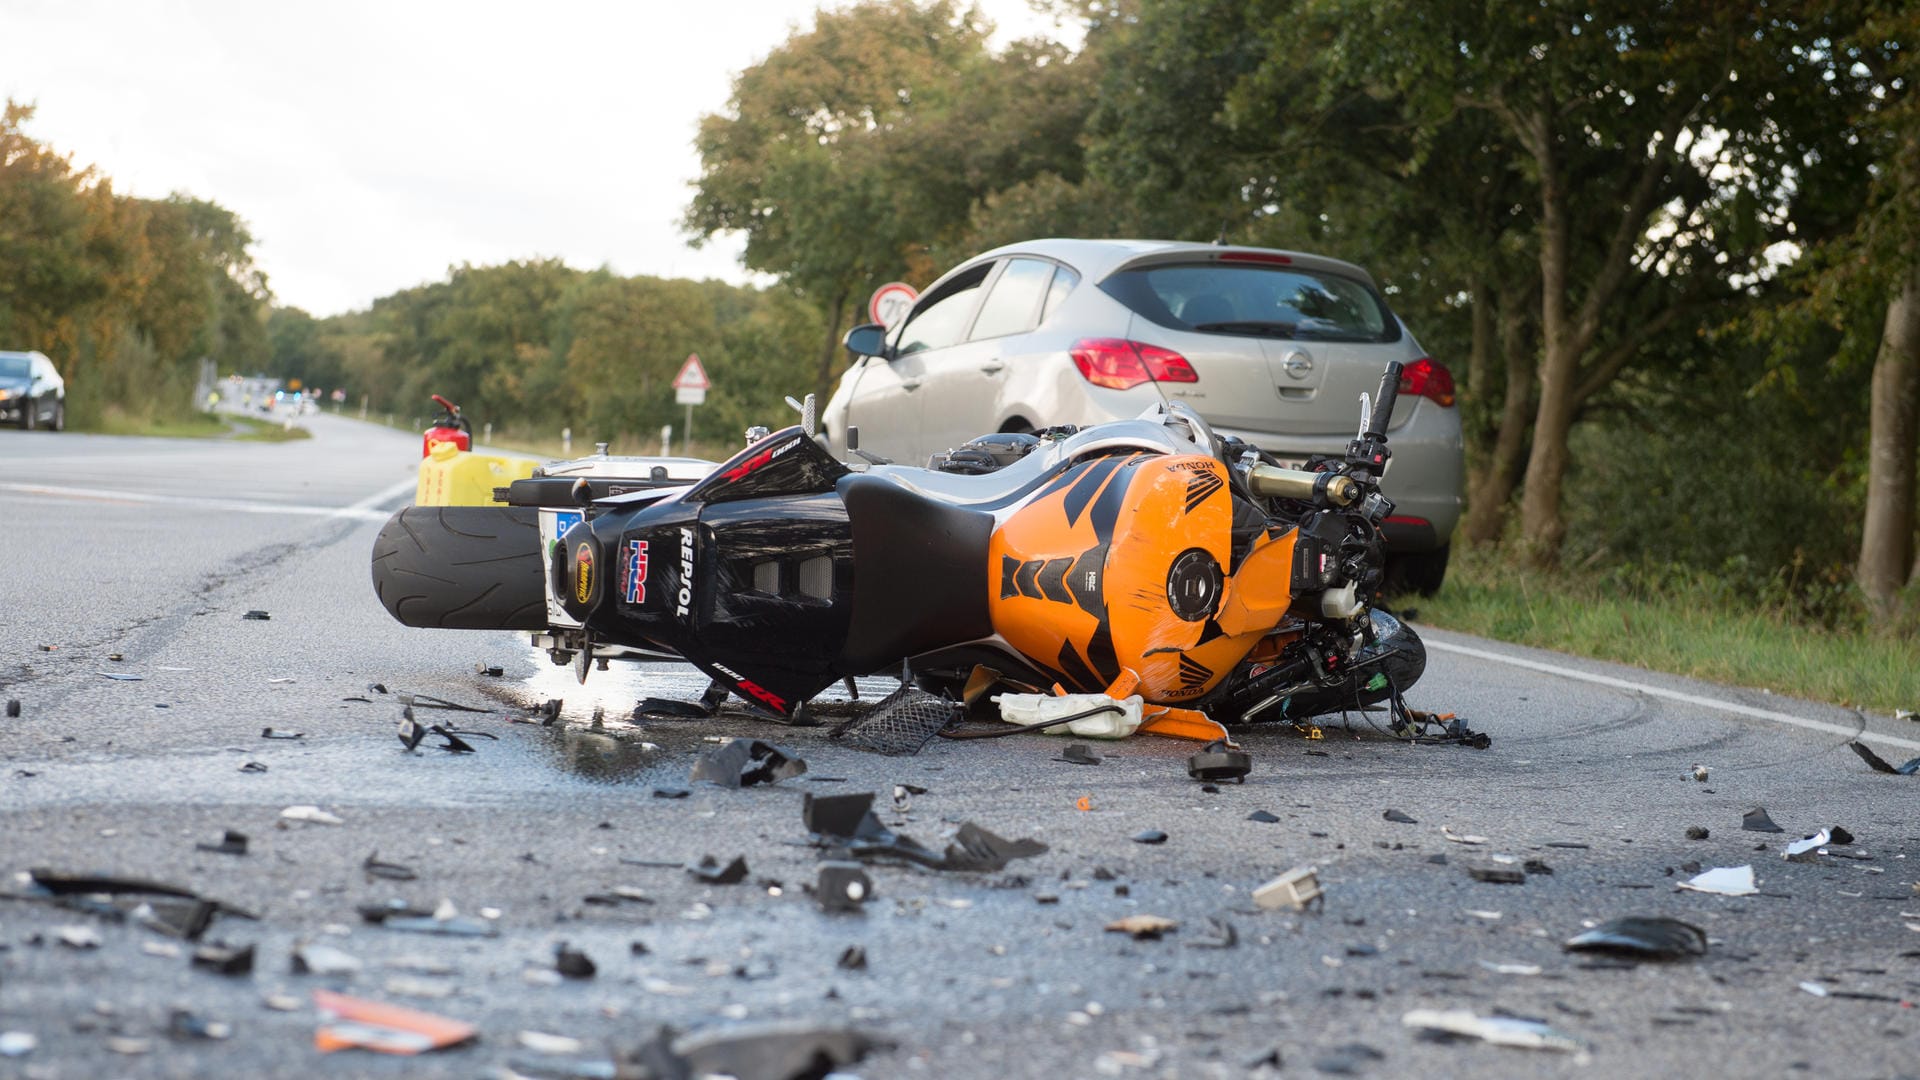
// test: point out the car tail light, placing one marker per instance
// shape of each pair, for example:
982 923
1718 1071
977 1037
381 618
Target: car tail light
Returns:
1256 257
1119 364
1427 379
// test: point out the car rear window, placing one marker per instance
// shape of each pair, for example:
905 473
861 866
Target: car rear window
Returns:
13 366
1260 301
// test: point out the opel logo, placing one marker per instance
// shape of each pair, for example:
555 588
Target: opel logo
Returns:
1298 364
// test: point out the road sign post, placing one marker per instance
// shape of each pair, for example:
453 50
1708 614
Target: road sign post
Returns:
690 388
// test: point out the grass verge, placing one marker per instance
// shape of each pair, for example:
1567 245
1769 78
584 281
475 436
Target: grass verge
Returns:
197 426
1675 630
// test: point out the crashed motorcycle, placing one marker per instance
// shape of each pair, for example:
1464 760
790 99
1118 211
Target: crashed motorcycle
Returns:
1147 557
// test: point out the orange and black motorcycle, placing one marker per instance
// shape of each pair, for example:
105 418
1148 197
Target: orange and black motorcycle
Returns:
1146 556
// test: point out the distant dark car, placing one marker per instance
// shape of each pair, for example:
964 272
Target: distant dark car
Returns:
32 393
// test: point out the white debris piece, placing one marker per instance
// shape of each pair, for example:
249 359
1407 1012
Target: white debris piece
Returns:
542 1043
1498 1030
17 1043
311 814
1808 850
1723 881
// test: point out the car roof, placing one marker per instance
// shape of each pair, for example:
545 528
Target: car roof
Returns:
1098 259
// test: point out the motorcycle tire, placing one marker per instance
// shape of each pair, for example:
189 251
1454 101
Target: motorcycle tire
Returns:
462 568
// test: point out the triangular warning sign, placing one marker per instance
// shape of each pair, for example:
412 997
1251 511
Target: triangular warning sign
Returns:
692 376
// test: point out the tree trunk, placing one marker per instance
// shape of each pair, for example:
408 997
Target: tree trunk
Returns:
1476 389
1886 542
1541 526
823 381
1492 491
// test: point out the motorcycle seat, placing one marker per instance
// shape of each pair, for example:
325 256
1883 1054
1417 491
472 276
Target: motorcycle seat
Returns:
919 573
1004 487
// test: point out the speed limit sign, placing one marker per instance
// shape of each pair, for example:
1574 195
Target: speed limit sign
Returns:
891 302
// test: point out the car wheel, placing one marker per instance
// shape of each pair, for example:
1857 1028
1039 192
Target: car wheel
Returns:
30 415
1418 572
59 416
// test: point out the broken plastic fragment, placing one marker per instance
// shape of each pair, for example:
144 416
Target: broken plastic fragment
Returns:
1808 849
557 1045
1461 838
1224 936
572 963
1079 754
1756 820
712 872
1143 927
1697 832
1497 875
746 762
1220 761
15 1044
1497 1030
323 960
1149 836
1723 881
389 871
1297 888
13 710
444 920
842 886
312 814
253 767
1264 817
77 937
257 615
835 815
1879 764
231 843
224 959
853 958
783 1051
1510 969
1642 936
118 676
349 1022
183 1024
269 733
1404 819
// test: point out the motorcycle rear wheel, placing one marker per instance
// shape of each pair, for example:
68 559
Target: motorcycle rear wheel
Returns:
462 567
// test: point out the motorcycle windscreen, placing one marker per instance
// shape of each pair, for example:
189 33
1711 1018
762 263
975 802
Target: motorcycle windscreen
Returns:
787 462
1121 564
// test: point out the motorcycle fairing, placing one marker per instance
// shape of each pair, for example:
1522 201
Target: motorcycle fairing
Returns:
787 462
1118 565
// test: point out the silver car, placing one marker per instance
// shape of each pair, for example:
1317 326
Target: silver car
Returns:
1274 347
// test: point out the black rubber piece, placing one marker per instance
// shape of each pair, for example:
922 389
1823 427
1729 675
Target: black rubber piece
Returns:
462 567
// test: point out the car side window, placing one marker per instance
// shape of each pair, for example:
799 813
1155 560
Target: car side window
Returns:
1063 282
942 317
1013 304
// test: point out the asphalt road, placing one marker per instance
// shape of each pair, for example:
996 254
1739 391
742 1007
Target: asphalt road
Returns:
154 550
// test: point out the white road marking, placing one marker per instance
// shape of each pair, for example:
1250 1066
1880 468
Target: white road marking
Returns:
1676 695
360 511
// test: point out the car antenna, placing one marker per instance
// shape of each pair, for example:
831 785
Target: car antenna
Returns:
1221 240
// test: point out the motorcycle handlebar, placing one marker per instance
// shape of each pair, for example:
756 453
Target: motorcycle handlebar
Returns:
1271 482
1383 401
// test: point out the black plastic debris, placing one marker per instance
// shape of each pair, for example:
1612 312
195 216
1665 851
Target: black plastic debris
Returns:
1497 874
1264 817
387 870
670 793
783 1051
572 963
1220 761
13 707
224 959
1642 937
119 676
269 733
492 671
426 701
854 958
973 849
1697 832
231 843
1536 866
1404 819
1222 935
1839 836
842 886
1079 754
168 909
746 762
710 871
257 615
444 920
1149 836
1880 765
835 815
184 1025
1756 820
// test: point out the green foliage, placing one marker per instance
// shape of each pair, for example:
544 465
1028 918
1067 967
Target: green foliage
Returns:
125 295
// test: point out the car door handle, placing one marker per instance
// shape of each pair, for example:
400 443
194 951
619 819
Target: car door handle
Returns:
909 384
991 369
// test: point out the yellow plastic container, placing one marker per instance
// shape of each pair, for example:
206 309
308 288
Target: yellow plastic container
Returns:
450 476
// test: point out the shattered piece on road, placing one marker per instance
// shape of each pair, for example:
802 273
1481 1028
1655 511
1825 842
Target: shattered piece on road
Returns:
356 1023
322 960
572 963
492 671
1509 969
1700 774
1297 888
1264 817
1496 1030
389 871
1143 927
1224 936
1496 874
1220 761
784 1051
1642 936
1079 754
1402 818
15 1044
253 767
842 886
1537 866
1723 881
269 733
444 920
1879 764
1840 837
257 615
1149 836
552 1045
1756 820
231 843
1808 849
13 707
120 676
1462 838
1697 832
1348 1059
670 793
224 959
77 937
310 814
746 762
853 958
710 871
835 815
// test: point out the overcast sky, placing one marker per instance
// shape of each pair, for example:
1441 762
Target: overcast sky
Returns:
371 144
